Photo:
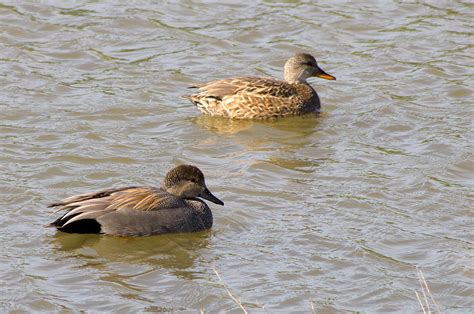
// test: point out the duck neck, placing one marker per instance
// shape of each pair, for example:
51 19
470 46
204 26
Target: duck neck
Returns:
294 78
176 190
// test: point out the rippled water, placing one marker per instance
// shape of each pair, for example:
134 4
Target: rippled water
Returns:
331 211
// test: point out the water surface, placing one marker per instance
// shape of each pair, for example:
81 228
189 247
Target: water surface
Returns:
332 211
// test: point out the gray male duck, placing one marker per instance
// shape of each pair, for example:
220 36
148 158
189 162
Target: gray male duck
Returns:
142 210
263 97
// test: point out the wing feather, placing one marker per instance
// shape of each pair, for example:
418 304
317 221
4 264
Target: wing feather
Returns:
245 85
84 209
97 204
88 215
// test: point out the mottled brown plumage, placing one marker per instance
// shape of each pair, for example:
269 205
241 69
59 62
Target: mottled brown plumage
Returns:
263 98
144 210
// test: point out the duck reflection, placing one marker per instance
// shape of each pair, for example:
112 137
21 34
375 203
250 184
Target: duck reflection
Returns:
176 253
303 125
281 142
222 125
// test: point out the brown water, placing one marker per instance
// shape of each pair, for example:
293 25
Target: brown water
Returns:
331 211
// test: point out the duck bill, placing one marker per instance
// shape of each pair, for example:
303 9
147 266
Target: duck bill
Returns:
207 195
324 75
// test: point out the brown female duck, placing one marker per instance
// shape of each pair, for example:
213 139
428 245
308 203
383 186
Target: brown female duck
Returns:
261 97
143 210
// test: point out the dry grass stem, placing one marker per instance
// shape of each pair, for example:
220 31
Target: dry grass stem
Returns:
421 303
312 307
425 303
237 301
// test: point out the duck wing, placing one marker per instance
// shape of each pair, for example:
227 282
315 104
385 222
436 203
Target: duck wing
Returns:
122 202
248 85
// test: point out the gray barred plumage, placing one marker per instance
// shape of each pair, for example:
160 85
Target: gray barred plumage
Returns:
142 210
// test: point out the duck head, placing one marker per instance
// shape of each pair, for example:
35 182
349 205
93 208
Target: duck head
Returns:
302 66
187 182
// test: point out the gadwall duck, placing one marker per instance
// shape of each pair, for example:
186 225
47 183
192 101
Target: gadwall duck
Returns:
262 97
141 210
